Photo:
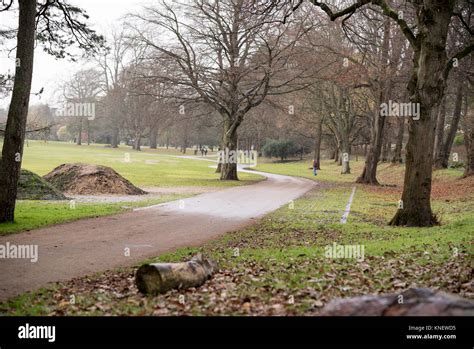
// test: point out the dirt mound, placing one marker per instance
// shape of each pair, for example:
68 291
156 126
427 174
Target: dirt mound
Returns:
84 179
33 187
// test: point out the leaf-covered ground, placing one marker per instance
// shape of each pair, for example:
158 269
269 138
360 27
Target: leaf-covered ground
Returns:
279 266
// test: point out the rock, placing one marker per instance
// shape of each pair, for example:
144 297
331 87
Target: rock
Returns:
84 179
33 187
413 302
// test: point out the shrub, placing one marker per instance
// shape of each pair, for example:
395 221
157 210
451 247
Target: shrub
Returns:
282 149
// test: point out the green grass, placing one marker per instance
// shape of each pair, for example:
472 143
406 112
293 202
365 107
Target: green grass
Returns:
331 171
148 168
282 259
37 214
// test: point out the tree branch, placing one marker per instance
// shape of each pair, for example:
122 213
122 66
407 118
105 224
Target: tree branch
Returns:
387 10
457 57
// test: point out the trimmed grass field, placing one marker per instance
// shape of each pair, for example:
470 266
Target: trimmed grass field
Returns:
148 168
280 265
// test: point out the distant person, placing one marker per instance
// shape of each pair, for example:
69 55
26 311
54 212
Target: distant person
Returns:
315 167
202 151
205 151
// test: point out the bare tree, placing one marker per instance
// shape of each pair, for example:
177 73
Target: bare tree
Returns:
138 103
369 174
112 63
229 54
83 89
342 118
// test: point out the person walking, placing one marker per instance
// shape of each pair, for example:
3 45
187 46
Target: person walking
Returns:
315 167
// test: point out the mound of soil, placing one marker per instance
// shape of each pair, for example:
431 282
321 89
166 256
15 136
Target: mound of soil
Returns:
84 179
33 187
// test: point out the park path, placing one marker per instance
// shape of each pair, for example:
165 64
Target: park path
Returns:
87 246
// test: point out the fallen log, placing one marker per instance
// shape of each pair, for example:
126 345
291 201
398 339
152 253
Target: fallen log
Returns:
163 277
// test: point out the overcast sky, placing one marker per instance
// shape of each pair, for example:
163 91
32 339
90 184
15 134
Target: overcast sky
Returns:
48 71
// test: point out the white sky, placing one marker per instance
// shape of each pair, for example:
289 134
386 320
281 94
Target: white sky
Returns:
48 71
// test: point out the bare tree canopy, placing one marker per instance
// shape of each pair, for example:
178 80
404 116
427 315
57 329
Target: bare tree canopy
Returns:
228 54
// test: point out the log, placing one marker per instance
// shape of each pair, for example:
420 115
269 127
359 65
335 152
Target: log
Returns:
163 277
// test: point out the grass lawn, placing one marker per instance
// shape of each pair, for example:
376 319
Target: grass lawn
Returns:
388 173
280 266
148 168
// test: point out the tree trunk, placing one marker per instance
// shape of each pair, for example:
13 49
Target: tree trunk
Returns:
88 132
12 152
439 136
397 155
137 145
416 209
386 150
79 136
163 277
185 139
115 137
154 138
468 140
426 87
345 158
317 144
369 174
229 142
469 143
442 161
219 163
